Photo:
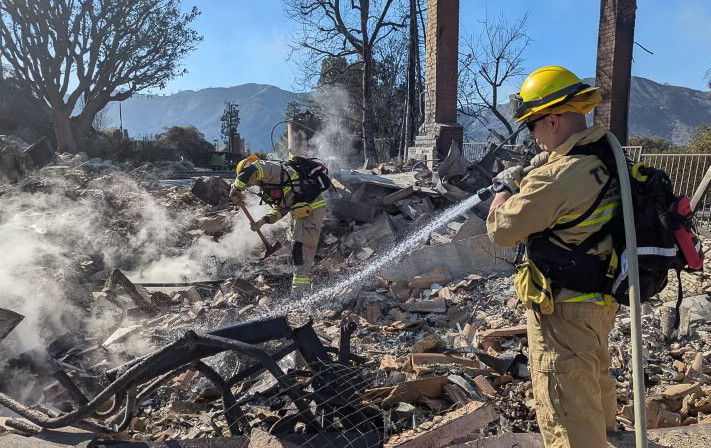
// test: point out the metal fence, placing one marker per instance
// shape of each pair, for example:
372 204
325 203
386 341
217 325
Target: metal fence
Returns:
474 151
685 172
632 152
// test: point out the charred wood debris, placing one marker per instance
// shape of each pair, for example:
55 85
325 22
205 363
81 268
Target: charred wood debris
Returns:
430 353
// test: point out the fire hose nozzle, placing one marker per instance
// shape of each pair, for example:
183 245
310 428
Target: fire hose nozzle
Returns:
485 193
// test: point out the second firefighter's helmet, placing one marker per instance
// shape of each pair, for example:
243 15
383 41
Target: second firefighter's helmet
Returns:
246 162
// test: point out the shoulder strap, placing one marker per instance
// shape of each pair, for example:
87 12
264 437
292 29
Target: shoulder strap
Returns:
591 149
589 211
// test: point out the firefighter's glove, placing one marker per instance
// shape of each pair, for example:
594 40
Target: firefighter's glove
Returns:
540 159
236 196
510 178
256 225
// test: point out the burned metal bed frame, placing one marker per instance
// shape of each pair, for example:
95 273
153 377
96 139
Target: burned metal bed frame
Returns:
335 394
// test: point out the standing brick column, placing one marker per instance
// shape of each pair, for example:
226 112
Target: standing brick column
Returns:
441 72
614 64
441 61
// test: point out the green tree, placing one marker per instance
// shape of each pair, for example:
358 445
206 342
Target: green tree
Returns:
652 144
700 141
95 50
230 121
187 142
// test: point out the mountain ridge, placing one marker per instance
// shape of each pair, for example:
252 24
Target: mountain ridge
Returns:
657 109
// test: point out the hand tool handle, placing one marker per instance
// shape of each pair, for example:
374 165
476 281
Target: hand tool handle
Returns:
251 221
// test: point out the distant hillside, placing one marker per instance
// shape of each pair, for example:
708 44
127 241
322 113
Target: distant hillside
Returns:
669 112
261 107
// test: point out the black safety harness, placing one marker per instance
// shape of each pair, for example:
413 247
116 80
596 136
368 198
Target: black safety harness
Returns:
570 265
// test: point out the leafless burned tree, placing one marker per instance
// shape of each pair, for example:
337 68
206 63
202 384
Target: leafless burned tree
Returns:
331 28
488 61
96 50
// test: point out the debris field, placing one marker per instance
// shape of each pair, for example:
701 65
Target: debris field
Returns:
158 320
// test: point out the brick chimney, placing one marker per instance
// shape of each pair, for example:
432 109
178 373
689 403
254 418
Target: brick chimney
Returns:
614 65
441 71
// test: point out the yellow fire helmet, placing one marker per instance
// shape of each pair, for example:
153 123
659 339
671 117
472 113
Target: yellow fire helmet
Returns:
553 89
246 162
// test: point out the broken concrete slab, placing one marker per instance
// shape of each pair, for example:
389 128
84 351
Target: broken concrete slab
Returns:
698 307
396 181
347 210
214 225
379 234
439 274
370 194
8 321
442 430
678 391
472 255
472 227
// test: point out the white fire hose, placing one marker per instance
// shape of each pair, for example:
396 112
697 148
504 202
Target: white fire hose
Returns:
640 411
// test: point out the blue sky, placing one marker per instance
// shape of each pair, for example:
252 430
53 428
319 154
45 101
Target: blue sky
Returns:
247 41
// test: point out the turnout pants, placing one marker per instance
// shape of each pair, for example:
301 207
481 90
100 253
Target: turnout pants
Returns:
575 395
306 234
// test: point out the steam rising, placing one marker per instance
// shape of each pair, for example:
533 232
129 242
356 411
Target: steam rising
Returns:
334 144
62 232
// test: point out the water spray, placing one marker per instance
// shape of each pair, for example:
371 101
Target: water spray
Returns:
403 248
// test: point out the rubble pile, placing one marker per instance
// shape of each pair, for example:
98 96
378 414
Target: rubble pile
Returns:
17 158
431 350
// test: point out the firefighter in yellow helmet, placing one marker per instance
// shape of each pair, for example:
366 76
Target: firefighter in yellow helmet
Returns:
562 211
294 188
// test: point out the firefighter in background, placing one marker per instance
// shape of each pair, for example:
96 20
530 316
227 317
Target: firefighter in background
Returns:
294 187
560 210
